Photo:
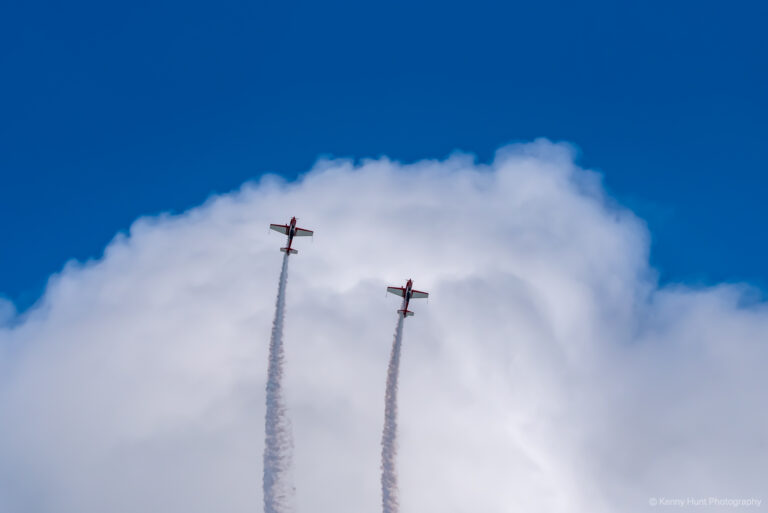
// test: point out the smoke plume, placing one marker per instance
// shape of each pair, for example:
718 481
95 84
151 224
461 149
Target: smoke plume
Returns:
389 498
278 442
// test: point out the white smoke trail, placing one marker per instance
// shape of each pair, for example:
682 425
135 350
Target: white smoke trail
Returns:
278 443
389 436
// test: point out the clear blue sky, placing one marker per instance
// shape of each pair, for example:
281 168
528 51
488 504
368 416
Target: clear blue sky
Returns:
111 110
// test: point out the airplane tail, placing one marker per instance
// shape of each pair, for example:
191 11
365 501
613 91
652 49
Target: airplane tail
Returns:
406 313
286 250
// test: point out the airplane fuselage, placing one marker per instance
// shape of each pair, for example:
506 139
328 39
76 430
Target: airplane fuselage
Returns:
291 233
408 294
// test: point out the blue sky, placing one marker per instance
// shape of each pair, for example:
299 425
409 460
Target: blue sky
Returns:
114 110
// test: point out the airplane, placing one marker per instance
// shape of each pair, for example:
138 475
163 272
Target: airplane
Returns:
408 293
291 230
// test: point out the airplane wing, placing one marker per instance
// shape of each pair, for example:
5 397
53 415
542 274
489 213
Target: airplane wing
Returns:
417 294
398 291
282 228
301 232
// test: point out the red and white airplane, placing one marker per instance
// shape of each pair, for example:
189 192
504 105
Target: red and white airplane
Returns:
407 293
291 230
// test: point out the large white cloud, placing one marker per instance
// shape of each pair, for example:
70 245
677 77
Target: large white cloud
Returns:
548 372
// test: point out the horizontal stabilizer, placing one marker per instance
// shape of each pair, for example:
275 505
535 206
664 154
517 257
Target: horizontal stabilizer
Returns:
406 313
292 251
